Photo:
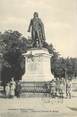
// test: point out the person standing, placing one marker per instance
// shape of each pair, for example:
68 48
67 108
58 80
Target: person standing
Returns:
61 88
7 90
12 88
18 89
53 88
68 89
57 86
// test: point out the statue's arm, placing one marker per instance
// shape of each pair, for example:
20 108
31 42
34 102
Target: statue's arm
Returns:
30 25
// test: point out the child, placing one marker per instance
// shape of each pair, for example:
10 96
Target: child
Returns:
7 90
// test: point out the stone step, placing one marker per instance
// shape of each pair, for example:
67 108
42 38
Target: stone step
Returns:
34 87
30 95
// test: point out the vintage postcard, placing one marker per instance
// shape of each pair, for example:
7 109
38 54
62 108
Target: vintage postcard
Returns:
38 58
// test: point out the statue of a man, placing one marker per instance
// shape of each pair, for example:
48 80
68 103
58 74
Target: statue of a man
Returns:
36 28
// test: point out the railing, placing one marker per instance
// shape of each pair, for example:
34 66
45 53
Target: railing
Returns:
36 87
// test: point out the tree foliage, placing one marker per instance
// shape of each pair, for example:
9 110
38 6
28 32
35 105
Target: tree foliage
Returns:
13 61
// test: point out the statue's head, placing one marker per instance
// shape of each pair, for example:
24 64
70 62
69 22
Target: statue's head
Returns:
35 14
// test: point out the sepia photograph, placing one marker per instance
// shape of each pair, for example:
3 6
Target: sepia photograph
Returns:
38 58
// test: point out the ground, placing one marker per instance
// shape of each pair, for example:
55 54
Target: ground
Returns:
39 107
35 107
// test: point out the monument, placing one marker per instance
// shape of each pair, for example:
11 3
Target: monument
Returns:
37 60
36 28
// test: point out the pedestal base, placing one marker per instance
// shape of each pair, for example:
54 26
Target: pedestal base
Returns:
34 89
37 72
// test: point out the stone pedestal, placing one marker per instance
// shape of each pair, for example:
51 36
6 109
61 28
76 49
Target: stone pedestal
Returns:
37 71
37 66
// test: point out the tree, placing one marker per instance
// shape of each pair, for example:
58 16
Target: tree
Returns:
12 55
69 67
59 67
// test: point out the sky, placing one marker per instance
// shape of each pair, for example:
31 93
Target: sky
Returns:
59 18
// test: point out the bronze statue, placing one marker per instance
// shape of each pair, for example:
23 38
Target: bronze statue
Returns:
36 28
